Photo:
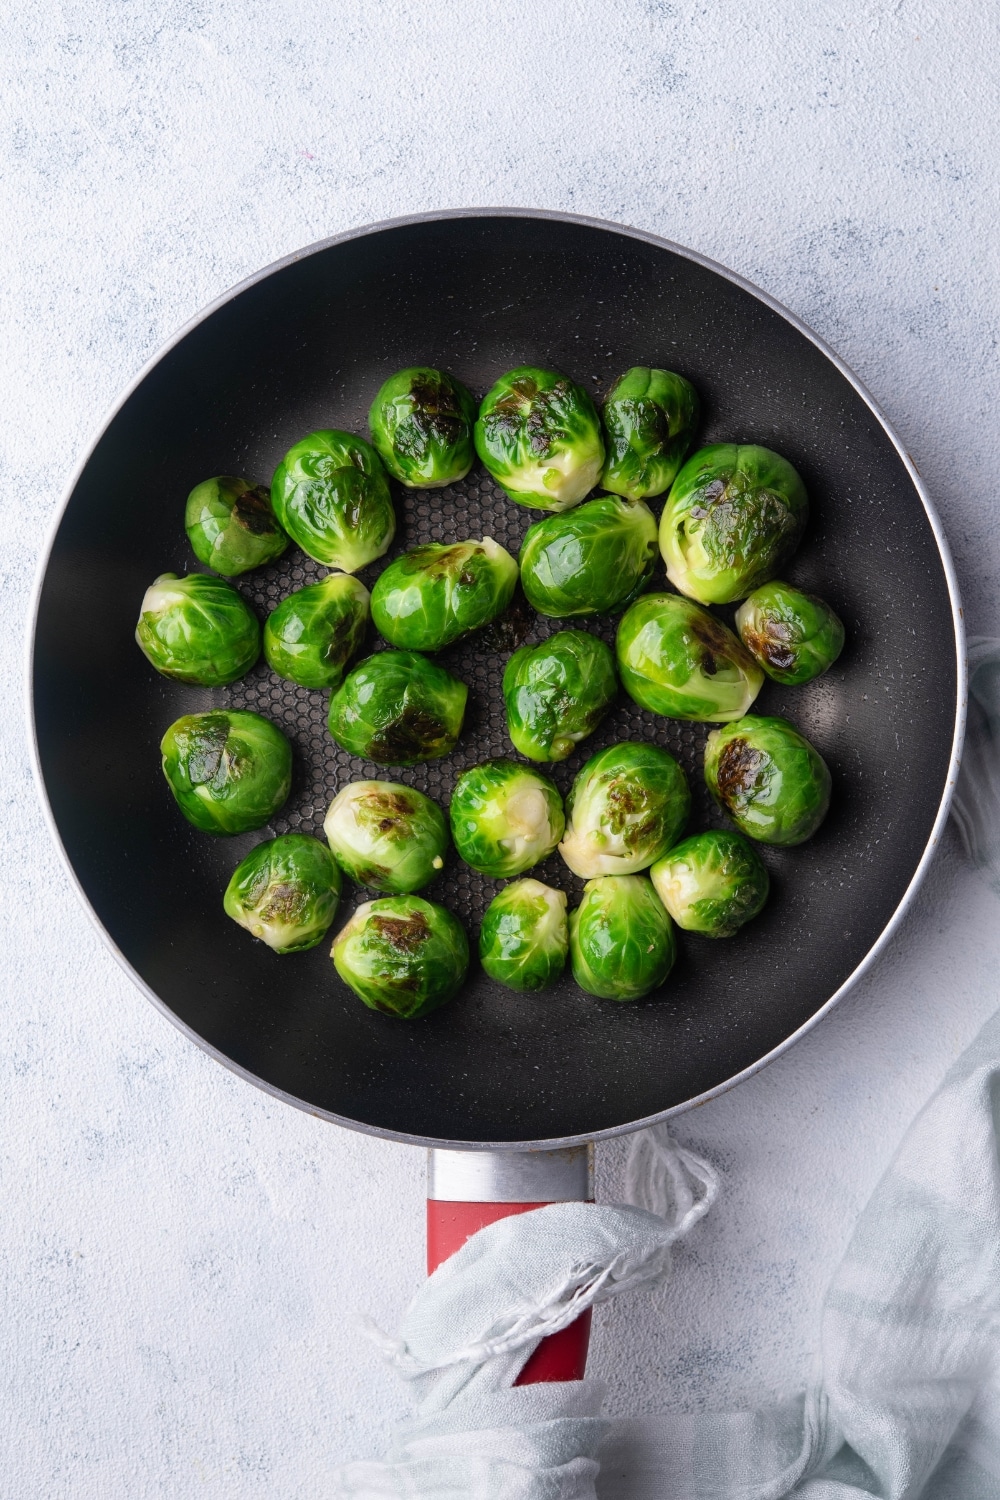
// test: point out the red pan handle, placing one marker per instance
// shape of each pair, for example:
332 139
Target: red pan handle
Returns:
469 1189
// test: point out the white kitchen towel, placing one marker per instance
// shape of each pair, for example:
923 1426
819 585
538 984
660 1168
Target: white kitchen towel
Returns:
905 1402
976 808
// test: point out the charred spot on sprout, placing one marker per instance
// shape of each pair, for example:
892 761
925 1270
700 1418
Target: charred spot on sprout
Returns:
740 767
207 746
507 631
436 414
770 650
406 738
389 805
710 631
252 510
285 902
406 935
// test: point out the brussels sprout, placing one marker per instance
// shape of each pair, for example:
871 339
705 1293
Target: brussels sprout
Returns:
231 526
626 807
421 423
312 635
402 955
285 892
677 659
711 883
505 818
649 421
197 629
331 495
386 835
794 636
621 941
592 562
733 518
397 708
229 771
768 777
433 595
557 693
540 437
524 936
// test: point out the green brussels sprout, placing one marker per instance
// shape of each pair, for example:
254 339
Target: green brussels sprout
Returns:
421 424
312 635
621 941
626 807
402 955
539 435
397 708
197 629
592 562
285 892
524 936
678 660
386 835
433 595
505 817
557 693
649 418
229 771
711 883
331 495
773 784
231 526
733 518
794 636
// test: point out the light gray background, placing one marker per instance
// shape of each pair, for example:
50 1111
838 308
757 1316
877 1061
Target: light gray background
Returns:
182 1256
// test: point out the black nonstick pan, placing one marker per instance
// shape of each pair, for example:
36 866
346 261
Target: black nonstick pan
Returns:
306 344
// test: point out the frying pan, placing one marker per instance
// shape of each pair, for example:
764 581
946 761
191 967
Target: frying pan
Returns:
305 344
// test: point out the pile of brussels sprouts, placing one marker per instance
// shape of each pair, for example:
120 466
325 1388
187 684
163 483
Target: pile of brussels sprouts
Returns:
732 517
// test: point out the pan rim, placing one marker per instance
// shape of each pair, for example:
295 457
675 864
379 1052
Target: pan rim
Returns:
954 597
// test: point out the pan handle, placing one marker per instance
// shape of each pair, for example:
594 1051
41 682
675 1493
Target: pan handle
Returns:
466 1190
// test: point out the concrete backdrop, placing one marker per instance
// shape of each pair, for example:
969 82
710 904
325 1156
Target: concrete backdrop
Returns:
181 1255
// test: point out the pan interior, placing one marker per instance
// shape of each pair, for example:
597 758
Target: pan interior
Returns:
307 347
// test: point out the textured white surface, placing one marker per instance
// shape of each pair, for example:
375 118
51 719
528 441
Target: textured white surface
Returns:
181 1254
